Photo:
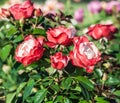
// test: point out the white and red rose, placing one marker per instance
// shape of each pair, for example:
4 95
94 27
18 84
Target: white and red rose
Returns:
59 61
20 11
84 54
59 36
30 50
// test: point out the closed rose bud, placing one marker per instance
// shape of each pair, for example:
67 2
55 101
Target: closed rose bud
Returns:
94 7
84 54
59 61
29 51
20 11
79 15
59 36
38 12
98 31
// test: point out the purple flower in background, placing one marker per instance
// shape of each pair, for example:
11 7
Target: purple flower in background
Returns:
95 7
79 15
111 5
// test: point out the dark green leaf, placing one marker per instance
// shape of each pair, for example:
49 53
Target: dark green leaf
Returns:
21 86
40 95
85 81
28 89
66 83
112 81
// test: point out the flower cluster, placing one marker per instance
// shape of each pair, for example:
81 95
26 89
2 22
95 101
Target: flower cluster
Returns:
59 38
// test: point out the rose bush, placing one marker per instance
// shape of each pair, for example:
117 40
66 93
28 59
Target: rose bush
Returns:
46 56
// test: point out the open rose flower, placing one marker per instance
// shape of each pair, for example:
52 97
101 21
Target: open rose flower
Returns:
98 31
94 7
59 61
20 11
30 50
84 54
4 13
59 36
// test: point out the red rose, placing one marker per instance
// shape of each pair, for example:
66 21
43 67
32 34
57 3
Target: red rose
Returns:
29 51
85 54
98 31
59 61
20 11
59 35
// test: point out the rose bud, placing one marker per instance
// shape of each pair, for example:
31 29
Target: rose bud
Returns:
29 51
4 13
59 36
38 12
79 15
112 6
94 7
59 61
20 11
98 31
84 54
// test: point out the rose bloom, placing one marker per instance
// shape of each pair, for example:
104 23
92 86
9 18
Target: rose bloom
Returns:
59 36
110 6
59 61
94 7
84 54
79 15
30 50
98 31
20 11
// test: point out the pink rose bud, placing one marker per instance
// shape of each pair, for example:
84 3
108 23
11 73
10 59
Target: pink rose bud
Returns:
29 51
98 31
59 61
79 15
59 35
84 54
38 12
94 7
20 11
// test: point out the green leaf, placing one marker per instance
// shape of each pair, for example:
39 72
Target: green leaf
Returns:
85 81
9 30
10 97
21 86
98 73
117 93
18 39
55 87
40 95
5 51
28 89
112 81
66 83
101 100
39 31
66 100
